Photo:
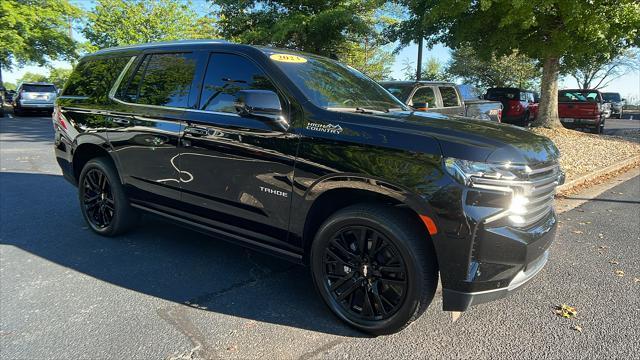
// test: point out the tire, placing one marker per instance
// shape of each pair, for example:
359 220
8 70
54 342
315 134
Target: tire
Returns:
401 258
104 205
17 111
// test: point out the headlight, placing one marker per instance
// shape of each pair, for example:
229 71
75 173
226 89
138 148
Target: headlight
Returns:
464 170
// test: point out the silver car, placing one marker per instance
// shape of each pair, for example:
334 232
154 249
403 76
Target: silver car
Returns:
616 102
34 96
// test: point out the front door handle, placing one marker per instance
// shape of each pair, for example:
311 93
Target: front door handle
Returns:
120 120
196 131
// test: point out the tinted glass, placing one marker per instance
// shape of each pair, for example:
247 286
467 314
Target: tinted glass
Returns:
226 75
167 80
577 96
611 97
129 90
39 88
400 91
94 78
331 85
469 92
502 94
425 95
449 96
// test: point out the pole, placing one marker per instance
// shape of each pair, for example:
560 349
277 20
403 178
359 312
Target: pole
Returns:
419 67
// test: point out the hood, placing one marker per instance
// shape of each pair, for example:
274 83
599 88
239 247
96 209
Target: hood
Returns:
467 138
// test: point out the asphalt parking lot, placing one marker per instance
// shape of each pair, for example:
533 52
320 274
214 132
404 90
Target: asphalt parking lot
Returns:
163 292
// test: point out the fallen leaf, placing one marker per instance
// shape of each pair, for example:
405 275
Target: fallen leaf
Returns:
600 236
613 262
232 348
637 280
619 273
577 328
576 231
566 311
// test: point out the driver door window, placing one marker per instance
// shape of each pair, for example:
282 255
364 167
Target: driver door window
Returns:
425 95
226 75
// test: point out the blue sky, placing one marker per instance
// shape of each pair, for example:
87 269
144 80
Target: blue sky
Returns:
628 85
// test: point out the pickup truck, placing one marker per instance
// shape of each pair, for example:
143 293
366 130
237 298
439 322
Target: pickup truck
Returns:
445 98
520 106
583 108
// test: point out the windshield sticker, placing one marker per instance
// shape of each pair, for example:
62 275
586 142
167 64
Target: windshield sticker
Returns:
288 58
327 128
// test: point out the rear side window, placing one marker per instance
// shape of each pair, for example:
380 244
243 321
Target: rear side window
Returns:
38 88
425 95
449 96
226 75
161 80
94 78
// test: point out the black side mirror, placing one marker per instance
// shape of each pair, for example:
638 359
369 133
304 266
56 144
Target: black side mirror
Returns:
261 104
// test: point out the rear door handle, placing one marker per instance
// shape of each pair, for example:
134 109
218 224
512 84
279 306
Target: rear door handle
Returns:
196 131
120 120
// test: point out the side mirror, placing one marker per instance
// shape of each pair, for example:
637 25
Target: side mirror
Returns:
421 106
261 104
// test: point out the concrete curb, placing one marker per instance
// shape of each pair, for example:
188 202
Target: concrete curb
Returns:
634 160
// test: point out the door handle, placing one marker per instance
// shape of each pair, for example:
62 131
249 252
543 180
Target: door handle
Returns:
196 131
120 120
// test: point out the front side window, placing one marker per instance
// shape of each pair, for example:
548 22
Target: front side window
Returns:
161 80
449 96
425 95
226 75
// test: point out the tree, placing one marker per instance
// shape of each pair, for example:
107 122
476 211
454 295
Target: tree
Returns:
32 77
35 31
598 70
433 70
9 86
58 76
514 70
122 22
346 30
544 30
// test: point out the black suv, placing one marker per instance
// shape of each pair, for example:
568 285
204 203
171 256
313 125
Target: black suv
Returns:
310 160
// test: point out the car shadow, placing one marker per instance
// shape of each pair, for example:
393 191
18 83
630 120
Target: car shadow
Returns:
40 215
27 128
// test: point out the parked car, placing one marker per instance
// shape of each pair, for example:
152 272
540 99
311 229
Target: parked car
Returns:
8 96
580 108
444 98
617 103
34 96
302 157
519 105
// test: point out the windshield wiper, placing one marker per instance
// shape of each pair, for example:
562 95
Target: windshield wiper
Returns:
369 111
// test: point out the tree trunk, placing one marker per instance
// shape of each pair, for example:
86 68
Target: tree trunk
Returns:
548 112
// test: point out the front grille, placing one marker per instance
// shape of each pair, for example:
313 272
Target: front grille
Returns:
537 186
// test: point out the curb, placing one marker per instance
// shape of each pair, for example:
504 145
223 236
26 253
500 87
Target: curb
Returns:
634 160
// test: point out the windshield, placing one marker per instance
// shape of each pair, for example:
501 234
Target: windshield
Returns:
398 90
333 86
38 88
577 96
611 97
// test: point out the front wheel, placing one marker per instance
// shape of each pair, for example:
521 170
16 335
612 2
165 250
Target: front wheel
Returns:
104 205
374 267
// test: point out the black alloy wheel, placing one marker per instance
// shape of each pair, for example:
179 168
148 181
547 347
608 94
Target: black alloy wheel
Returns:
103 202
98 199
374 266
365 273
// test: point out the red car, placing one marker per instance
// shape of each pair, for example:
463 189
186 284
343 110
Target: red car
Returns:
520 107
583 108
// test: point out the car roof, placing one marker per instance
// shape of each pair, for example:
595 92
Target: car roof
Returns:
413 82
36 83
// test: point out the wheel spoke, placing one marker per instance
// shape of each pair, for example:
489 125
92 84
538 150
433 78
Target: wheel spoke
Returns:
378 301
343 250
355 285
362 241
341 281
367 309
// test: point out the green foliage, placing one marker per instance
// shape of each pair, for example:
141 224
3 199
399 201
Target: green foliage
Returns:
123 22
58 76
32 77
9 86
432 70
344 29
35 31
514 70
544 30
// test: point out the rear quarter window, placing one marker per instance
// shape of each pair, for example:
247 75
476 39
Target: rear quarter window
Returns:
94 78
449 96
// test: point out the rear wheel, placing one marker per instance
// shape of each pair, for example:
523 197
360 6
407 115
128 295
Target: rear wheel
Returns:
104 205
374 267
